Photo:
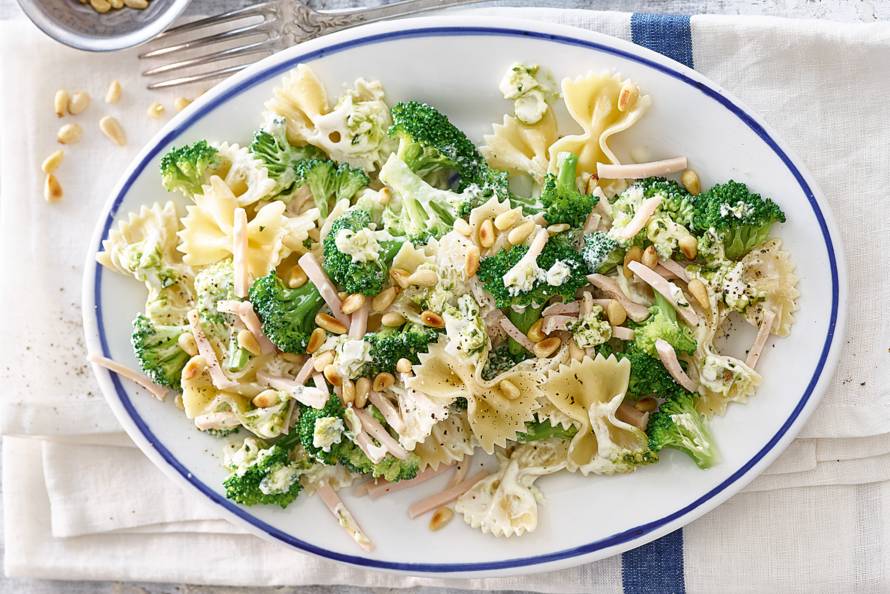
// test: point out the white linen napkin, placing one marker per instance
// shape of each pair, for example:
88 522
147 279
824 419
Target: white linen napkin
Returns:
778 67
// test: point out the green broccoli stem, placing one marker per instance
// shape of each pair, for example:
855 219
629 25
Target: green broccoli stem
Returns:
523 321
237 356
565 180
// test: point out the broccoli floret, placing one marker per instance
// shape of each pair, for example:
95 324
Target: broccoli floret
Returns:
189 167
158 351
287 315
601 253
560 197
435 149
264 476
329 182
365 269
281 158
420 211
539 430
741 218
391 344
333 408
676 201
345 451
677 424
648 377
558 249
663 324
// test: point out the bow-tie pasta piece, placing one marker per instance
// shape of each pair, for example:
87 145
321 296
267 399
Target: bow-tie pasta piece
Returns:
449 442
521 148
592 101
505 504
769 270
207 234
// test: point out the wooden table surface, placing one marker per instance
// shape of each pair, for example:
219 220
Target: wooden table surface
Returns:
838 10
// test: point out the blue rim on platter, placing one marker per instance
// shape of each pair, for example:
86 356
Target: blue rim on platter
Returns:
639 534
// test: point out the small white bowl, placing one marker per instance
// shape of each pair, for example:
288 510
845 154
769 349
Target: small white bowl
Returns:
79 26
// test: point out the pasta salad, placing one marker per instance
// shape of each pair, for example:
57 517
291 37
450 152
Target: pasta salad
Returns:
363 295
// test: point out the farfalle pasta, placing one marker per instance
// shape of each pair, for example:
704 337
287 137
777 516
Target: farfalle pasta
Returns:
357 293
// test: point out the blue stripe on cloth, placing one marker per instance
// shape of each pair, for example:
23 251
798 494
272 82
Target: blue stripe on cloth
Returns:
667 34
655 568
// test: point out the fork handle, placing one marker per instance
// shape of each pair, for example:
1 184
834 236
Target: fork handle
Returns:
396 9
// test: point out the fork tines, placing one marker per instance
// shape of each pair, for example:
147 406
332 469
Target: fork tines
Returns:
249 31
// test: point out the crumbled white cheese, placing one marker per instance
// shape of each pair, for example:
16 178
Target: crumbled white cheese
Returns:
361 245
530 88
352 355
327 432
591 330
280 480
558 274
464 328
739 210
522 277
531 107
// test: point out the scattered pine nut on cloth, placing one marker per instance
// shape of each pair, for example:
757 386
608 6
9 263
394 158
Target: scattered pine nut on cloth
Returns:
815 521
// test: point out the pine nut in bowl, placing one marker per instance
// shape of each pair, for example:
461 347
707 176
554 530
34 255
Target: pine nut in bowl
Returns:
94 25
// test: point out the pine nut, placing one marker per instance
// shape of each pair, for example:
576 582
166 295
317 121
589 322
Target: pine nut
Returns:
646 405
441 517
117 4
296 278
100 6
383 299
52 189
137 4
698 290
316 339
60 102
186 342
155 110
195 367
688 244
404 365
486 234
536 331
423 278
347 392
248 342
557 228
471 261
69 134
547 347
112 129
520 233
509 389
322 360
506 220
400 276
113 94
462 227
52 162
616 313
181 103
383 381
332 375
292 358
649 257
352 303
576 352
341 295
634 254
362 389
690 181
329 323
392 319
432 319
79 102
627 96
384 196
265 399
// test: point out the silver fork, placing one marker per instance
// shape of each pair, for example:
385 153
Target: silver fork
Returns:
253 32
